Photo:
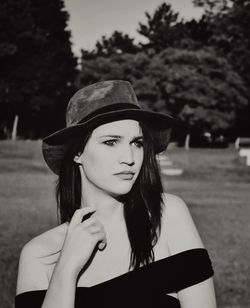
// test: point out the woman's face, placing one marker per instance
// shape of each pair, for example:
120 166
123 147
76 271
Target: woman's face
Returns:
112 157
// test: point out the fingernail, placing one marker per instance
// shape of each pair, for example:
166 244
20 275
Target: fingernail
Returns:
102 245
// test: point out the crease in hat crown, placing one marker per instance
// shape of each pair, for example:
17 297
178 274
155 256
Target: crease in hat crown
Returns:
98 95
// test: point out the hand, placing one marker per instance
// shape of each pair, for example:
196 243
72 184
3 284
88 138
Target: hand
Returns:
82 237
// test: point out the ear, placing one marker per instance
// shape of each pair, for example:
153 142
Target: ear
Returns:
77 158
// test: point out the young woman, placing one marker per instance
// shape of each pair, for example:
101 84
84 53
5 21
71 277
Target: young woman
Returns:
122 242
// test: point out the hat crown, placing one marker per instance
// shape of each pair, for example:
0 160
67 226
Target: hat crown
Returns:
96 96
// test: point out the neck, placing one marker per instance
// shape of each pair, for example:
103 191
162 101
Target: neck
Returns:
106 205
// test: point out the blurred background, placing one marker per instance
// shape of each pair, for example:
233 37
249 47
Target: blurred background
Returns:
188 58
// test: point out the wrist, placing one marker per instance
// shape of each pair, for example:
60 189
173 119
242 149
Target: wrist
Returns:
66 271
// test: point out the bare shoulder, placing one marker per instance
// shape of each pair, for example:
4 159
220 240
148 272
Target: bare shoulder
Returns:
48 241
179 226
34 256
175 210
173 203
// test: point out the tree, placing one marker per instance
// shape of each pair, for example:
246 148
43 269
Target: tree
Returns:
198 87
37 66
229 23
213 7
197 70
117 43
163 29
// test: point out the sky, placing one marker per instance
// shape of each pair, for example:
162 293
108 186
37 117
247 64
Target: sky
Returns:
90 19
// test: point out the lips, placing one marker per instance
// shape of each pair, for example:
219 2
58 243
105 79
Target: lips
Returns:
126 175
125 172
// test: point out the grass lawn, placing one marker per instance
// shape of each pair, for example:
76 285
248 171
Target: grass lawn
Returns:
214 184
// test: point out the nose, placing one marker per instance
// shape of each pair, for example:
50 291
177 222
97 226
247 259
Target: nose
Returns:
127 156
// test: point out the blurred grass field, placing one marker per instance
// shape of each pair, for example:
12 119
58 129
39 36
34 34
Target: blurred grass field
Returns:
214 184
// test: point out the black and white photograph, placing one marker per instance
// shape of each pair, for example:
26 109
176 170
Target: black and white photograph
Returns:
125 154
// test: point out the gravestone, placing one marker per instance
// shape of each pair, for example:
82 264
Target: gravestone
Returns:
243 146
166 166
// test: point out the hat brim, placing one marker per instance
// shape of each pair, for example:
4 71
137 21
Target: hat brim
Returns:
56 145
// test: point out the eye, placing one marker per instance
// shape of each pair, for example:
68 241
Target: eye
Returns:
111 142
138 143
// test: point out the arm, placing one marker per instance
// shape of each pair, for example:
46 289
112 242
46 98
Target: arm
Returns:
61 291
31 273
32 276
61 286
183 235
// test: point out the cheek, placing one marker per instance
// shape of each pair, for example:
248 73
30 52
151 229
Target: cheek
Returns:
97 164
139 158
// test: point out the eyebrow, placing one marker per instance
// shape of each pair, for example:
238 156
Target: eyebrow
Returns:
119 137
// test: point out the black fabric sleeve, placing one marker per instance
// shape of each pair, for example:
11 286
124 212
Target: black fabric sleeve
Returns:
167 275
31 299
192 267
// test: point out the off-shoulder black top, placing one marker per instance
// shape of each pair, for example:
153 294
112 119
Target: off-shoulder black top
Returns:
144 287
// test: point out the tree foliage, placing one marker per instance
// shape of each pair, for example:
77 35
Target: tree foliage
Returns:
117 43
198 87
163 29
37 65
229 23
213 7
199 70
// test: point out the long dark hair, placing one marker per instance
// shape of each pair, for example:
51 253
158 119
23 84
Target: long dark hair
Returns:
142 205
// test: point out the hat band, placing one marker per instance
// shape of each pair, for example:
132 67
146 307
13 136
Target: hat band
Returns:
109 108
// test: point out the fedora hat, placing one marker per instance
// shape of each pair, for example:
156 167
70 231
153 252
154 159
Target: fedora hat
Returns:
101 103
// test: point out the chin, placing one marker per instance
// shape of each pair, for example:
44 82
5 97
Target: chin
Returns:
121 190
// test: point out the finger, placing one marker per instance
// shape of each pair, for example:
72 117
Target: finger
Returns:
92 221
92 225
93 229
102 243
80 213
86 223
